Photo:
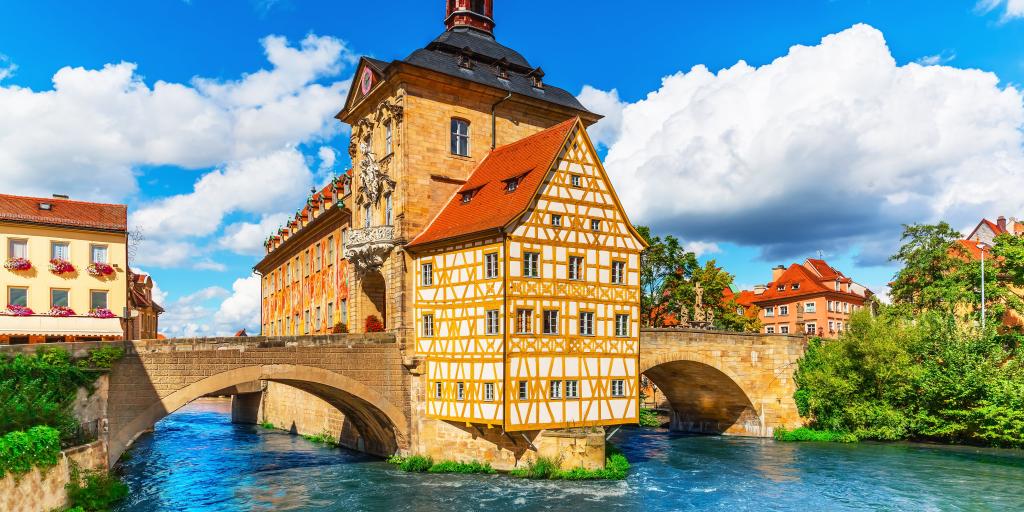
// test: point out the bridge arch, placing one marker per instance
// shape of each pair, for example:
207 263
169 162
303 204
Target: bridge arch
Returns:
706 395
382 425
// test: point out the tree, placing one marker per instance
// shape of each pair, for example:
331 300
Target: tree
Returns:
931 277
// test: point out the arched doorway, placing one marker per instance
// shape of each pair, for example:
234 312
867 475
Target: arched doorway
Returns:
373 298
703 399
381 424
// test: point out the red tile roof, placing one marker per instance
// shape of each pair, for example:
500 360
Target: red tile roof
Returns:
971 247
746 298
491 206
813 277
64 212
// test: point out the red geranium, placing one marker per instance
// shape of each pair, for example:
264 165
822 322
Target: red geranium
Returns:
15 310
373 324
102 313
100 270
18 264
59 266
61 311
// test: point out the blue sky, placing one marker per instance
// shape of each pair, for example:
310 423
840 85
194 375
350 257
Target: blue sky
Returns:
184 110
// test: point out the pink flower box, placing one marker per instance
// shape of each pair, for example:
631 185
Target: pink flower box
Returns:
59 266
18 264
13 310
100 270
102 313
61 311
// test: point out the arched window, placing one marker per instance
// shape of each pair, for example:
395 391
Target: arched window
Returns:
460 137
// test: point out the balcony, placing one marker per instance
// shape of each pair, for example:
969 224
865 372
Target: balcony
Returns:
367 248
42 325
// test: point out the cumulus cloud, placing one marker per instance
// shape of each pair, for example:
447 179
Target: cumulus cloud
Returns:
242 309
189 316
88 134
938 59
247 238
7 68
1012 8
608 104
829 147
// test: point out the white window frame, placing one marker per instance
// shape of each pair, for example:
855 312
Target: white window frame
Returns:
783 329
427 275
550 325
595 224
488 391
622 325
438 390
67 249
531 264
460 391
783 310
556 220
460 136
618 272
811 328
388 139
618 388
555 390
11 242
67 297
492 321
524 321
810 307
388 209
491 265
576 180
524 390
586 323
92 253
770 329
92 299
427 325
831 326
572 389
576 268
769 312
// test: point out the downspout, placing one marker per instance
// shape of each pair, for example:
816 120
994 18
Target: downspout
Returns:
494 120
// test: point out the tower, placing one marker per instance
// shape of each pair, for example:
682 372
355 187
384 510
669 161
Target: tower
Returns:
478 14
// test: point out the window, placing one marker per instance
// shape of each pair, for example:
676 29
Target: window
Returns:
781 288
796 286
586 323
576 268
17 248
618 387
769 311
330 251
318 319
491 265
572 389
306 325
438 389
17 296
576 180
556 220
428 325
555 389
460 390
839 326
524 321
783 310
288 272
319 251
830 306
622 325
60 251
831 326
523 394
550 321
467 196
488 391
98 254
846 307
837 286
618 272
388 147
595 225
493 323
460 137
511 185
811 328
367 215
388 209
810 307
770 329
98 299
344 311
427 274
58 298
784 329
531 264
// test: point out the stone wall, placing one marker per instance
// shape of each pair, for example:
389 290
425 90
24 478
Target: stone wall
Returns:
42 490
299 412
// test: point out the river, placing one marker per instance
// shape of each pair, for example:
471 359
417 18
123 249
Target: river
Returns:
198 461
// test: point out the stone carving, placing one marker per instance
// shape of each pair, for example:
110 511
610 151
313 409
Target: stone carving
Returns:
374 181
703 317
367 248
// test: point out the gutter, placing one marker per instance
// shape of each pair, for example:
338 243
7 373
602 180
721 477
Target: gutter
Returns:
494 120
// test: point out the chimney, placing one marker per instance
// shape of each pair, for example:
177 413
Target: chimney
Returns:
1001 222
475 14
777 272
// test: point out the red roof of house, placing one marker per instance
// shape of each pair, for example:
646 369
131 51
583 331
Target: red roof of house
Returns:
971 247
491 206
746 298
64 212
814 277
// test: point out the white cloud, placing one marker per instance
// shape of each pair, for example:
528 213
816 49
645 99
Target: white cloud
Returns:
1013 8
7 68
608 104
937 59
189 316
828 147
208 264
702 248
87 134
247 238
242 309
200 314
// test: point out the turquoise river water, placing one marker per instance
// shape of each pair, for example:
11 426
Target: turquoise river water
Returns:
197 460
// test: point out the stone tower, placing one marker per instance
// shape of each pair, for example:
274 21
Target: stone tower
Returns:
420 126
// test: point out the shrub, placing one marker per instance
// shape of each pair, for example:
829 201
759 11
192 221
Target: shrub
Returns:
268 425
373 324
324 437
541 469
807 434
616 468
649 418
38 447
466 468
95 491
103 357
416 464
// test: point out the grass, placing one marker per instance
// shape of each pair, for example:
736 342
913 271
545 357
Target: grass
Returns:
268 425
616 468
324 438
649 418
804 434
94 491
423 464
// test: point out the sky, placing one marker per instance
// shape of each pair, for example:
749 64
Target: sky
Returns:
759 133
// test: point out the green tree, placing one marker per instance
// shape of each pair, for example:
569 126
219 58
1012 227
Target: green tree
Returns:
932 273
664 265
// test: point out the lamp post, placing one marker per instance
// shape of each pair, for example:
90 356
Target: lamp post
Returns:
981 247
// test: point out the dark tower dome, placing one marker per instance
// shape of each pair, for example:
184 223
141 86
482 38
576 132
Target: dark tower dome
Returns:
477 14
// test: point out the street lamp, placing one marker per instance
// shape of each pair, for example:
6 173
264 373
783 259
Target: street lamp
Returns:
981 247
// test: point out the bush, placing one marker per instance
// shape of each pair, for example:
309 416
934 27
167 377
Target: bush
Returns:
465 468
38 447
616 468
268 425
324 437
416 464
95 491
373 324
649 418
541 469
103 357
806 434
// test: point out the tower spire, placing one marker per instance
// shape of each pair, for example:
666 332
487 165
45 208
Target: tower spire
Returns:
476 14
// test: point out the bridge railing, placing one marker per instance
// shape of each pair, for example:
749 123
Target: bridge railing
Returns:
82 349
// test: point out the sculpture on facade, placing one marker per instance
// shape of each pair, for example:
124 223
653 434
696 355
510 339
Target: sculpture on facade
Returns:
703 317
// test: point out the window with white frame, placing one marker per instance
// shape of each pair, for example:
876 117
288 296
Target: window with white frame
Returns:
330 315
59 298
576 180
769 311
388 139
318 319
17 296
618 272
427 274
783 310
306 326
769 329
330 251
367 215
460 137
830 307
551 321
556 220
98 299
524 321
810 307
438 389
493 322
831 326
17 248
595 225
783 329
98 254
388 209
811 328
60 251
523 390
531 264
491 265
622 325
460 390
488 391
572 389
555 388
839 326
428 325
576 268
586 323
846 307
618 387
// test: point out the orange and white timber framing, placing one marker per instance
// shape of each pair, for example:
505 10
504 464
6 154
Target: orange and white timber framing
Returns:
535 325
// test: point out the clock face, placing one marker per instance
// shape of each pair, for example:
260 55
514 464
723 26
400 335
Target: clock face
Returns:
366 81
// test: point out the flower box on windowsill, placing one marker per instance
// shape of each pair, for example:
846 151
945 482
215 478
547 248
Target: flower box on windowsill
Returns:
13 310
61 311
100 270
102 313
18 265
60 267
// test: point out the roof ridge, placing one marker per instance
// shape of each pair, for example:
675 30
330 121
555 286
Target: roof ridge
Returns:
63 200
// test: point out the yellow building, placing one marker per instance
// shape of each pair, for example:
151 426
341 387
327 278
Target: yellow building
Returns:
65 275
305 289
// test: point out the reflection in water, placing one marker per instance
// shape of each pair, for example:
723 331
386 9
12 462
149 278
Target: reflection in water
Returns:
197 460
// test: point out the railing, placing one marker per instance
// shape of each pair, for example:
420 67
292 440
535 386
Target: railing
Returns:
42 325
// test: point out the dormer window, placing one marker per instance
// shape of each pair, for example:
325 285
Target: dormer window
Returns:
466 58
511 185
45 206
537 76
796 286
781 288
501 69
467 196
